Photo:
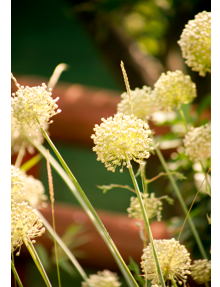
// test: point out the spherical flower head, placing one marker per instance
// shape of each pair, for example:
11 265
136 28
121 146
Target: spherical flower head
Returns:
152 205
31 106
143 103
173 89
17 183
121 139
197 143
25 224
173 258
18 136
34 192
195 43
201 271
102 279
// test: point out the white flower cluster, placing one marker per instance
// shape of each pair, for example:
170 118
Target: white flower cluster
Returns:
17 183
18 136
31 106
173 89
152 205
102 279
143 103
173 258
25 221
195 43
201 271
34 192
25 224
197 143
120 139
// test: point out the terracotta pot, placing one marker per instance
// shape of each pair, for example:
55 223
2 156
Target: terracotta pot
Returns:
123 231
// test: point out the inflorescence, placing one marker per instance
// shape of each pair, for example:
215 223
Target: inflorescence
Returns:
197 143
25 224
173 258
195 43
32 106
120 139
143 103
152 205
201 271
102 279
173 89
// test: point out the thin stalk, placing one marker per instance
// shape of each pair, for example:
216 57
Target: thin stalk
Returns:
51 192
31 162
37 261
17 278
207 181
77 191
173 282
183 118
206 284
147 224
64 247
20 155
181 200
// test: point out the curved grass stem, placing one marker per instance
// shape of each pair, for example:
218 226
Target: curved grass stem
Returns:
181 200
17 278
147 225
37 261
77 191
63 246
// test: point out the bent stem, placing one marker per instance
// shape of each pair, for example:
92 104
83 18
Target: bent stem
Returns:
146 224
37 261
180 198
17 278
77 191
64 247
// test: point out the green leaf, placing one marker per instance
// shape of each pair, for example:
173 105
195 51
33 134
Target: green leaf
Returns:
66 266
44 255
105 188
135 268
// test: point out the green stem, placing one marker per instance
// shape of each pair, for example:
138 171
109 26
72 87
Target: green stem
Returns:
16 275
181 200
183 118
37 261
206 284
63 246
77 191
173 281
20 155
146 224
207 181
31 162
